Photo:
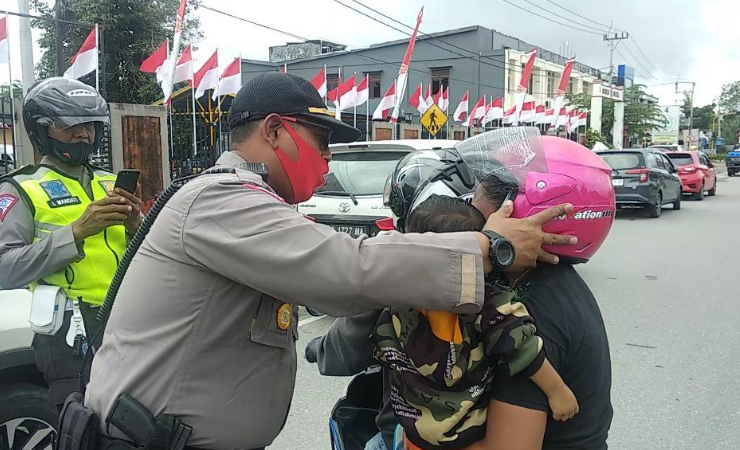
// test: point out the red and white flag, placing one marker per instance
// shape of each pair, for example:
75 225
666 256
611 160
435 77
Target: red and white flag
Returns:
572 120
428 98
86 59
403 71
417 100
562 119
521 90
347 94
169 79
549 117
527 112
231 79
582 119
184 67
386 103
442 99
319 82
362 92
510 115
284 69
461 112
495 110
207 76
4 47
539 114
156 62
478 111
560 92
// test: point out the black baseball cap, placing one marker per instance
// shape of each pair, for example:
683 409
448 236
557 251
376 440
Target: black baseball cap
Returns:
287 95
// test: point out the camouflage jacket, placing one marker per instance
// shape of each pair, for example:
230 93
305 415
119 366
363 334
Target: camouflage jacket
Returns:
440 389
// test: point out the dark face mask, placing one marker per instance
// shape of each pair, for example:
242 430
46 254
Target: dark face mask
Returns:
74 154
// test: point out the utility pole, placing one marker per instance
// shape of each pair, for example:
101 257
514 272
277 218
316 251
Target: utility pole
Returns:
691 105
60 11
612 40
26 43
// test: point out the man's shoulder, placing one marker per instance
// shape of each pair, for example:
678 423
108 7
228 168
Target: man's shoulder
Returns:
28 169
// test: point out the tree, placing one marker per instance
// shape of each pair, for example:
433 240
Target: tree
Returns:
640 116
583 102
729 99
703 116
131 30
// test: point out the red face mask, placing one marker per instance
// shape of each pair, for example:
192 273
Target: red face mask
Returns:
305 173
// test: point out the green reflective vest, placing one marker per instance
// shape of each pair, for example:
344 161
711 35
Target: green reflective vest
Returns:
58 201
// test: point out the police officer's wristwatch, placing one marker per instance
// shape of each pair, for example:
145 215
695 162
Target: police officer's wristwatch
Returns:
501 251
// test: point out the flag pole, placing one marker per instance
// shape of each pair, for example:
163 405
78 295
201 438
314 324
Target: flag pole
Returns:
97 58
169 107
447 112
367 108
326 91
12 107
337 106
354 119
195 135
218 109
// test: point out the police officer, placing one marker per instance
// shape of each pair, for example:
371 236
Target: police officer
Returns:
205 322
60 224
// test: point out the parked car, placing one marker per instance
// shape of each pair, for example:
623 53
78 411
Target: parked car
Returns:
667 147
27 418
696 172
351 201
7 164
644 178
733 161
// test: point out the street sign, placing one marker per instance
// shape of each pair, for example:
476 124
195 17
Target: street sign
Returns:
433 119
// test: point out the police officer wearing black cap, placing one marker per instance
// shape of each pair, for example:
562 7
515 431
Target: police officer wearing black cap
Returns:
205 323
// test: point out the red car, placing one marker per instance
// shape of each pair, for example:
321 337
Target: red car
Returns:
696 172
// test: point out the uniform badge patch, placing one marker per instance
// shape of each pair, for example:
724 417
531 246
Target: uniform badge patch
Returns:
284 316
58 194
6 202
107 185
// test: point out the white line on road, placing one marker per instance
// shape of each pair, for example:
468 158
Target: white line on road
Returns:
308 320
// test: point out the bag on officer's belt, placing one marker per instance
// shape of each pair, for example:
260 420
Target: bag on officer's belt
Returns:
47 309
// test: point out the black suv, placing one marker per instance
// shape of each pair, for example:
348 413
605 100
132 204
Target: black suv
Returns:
733 161
644 178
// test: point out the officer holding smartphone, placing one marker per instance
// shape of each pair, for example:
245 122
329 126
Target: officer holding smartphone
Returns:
62 221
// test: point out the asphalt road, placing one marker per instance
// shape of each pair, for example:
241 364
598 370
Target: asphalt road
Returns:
667 288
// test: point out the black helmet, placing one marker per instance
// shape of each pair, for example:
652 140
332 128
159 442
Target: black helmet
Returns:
62 103
421 174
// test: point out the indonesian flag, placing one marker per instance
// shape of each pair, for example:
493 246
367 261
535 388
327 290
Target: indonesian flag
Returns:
386 103
155 63
86 59
582 119
319 82
495 110
362 92
184 67
539 114
521 90
284 69
347 94
403 71
461 112
479 110
549 117
231 79
510 115
562 118
527 113
428 99
417 101
443 100
572 120
4 48
560 93
207 76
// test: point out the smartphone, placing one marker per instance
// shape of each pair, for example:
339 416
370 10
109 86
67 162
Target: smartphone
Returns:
127 180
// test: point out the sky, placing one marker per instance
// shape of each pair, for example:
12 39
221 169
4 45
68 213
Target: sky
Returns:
670 40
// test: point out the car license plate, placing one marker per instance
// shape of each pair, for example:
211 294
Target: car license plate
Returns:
354 231
618 182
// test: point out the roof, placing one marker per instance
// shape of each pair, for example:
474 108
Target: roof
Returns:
411 144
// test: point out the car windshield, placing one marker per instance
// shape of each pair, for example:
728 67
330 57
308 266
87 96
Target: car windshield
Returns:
681 159
360 173
623 160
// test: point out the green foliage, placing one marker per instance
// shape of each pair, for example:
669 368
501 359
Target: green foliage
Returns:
640 117
17 90
592 137
131 30
729 99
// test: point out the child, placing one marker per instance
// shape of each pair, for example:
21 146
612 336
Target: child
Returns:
442 364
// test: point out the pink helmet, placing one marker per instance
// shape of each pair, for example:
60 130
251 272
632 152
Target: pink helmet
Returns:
555 171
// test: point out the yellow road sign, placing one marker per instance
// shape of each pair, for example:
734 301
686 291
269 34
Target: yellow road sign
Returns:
433 120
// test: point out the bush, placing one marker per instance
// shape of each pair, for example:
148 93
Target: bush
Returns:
592 137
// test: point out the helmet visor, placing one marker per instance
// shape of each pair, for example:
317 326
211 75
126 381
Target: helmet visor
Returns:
507 154
61 123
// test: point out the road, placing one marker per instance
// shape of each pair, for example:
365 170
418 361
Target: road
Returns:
667 288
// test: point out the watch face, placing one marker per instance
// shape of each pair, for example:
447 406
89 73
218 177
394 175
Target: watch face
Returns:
505 254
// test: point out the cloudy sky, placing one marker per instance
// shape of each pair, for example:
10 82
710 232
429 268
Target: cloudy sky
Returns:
684 40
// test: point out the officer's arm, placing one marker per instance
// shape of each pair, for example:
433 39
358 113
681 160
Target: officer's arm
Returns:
22 260
345 349
254 239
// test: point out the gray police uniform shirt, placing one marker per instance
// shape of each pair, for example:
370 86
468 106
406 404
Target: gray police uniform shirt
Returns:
23 261
205 323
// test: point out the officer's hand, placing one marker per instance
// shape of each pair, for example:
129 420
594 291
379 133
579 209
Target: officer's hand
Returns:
527 236
135 217
100 215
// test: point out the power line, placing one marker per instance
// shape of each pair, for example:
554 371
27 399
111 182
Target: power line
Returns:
649 73
563 17
643 55
607 27
549 19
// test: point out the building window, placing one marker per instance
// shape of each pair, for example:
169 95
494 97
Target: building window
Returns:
373 84
332 81
570 86
440 79
550 84
587 88
512 76
459 135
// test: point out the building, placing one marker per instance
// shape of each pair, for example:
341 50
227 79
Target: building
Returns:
473 59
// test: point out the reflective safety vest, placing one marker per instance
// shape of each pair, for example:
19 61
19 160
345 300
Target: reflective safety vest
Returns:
59 200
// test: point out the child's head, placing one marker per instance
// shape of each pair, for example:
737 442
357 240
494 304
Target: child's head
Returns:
442 214
491 193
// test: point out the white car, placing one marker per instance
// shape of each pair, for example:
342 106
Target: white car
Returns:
27 418
351 201
7 164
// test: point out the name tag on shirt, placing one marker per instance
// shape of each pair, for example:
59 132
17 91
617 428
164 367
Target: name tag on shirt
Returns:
58 194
